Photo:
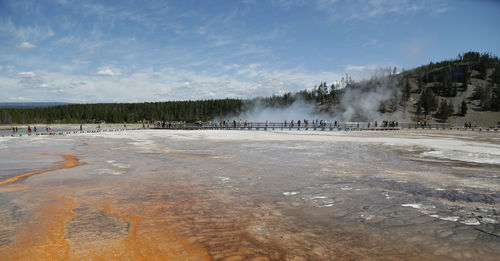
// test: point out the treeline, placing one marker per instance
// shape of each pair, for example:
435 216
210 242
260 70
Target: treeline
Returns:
123 112
321 94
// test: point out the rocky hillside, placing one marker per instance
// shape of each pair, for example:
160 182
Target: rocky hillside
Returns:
459 91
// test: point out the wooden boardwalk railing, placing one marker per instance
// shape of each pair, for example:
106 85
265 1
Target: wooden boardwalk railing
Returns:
342 126
347 126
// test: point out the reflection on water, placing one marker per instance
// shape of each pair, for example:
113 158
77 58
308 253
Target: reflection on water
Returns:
238 195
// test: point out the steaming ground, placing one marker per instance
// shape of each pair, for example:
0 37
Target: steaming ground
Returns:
357 103
280 195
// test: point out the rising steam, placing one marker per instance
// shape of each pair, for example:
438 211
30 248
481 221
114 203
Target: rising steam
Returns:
299 110
358 102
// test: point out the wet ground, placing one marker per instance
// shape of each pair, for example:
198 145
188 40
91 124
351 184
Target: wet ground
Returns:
252 195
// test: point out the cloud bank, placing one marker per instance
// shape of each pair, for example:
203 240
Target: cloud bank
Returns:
26 45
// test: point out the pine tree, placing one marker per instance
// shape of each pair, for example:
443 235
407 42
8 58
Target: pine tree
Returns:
428 101
495 98
445 110
483 68
463 108
324 91
406 90
332 94
419 110
496 74
382 107
420 84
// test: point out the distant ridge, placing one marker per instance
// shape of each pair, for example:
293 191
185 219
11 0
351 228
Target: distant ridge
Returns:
21 105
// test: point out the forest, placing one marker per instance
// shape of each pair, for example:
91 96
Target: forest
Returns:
123 112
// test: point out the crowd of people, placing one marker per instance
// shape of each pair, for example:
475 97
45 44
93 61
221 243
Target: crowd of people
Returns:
317 123
246 124
303 123
168 124
30 129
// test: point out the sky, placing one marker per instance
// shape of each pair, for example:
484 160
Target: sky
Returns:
161 50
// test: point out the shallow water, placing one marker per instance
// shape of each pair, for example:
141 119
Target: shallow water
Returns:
254 195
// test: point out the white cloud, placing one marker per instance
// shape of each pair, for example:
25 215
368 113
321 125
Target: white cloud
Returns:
168 83
29 80
355 68
25 32
18 98
288 4
247 49
26 75
360 72
231 67
372 43
26 45
1 68
50 33
220 41
365 10
107 71
441 10
368 10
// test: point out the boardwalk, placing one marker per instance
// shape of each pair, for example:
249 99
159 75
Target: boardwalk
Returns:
342 126
23 132
254 126
280 126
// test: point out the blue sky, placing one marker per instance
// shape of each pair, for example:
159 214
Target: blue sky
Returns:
135 51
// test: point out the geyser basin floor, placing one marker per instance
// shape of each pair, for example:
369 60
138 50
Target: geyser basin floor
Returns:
255 195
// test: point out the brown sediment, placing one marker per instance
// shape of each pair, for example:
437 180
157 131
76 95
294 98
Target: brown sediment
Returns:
43 239
148 238
145 241
168 224
10 189
70 161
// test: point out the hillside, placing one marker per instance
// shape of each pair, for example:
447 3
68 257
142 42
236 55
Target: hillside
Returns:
472 80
